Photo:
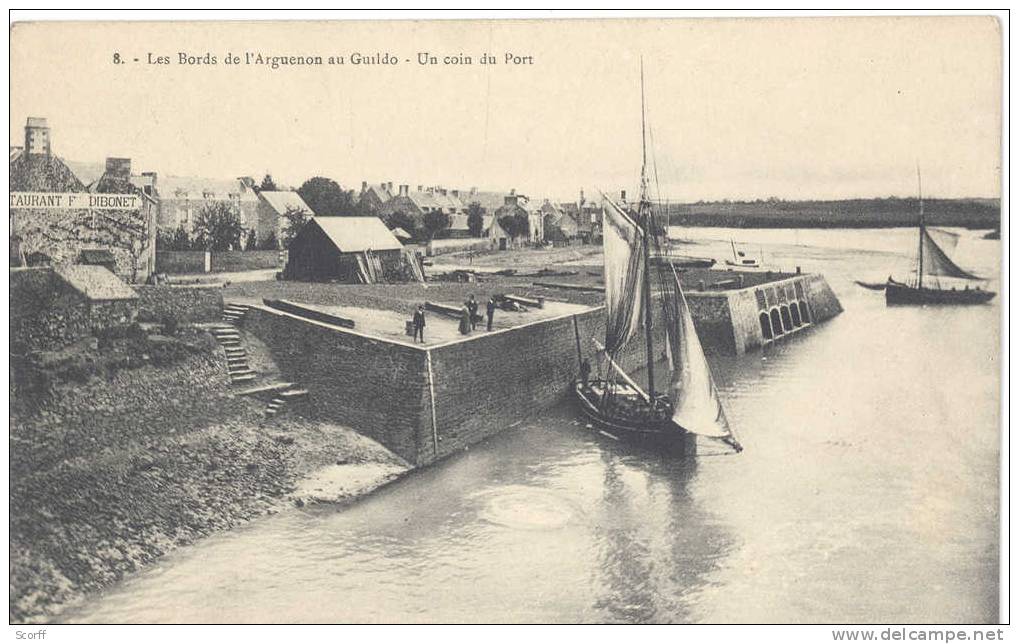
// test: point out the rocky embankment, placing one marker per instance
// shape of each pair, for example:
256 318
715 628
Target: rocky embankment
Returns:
110 473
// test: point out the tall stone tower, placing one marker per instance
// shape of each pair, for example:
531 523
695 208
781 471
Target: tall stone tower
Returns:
37 136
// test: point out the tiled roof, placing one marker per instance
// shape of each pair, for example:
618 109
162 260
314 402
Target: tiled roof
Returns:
357 234
96 283
281 200
171 187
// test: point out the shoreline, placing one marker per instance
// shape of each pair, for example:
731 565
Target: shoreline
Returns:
113 474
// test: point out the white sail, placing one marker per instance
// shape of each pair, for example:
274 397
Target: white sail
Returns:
695 402
936 262
624 276
946 239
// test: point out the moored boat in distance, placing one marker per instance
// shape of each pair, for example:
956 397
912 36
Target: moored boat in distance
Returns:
934 265
740 260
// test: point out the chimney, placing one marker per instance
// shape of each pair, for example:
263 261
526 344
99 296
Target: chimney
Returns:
389 186
420 188
622 195
513 191
37 136
510 199
118 167
404 188
581 196
455 193
364 187
474 191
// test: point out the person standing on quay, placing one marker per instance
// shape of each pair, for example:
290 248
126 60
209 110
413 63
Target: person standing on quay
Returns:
419 323
465 320
490 311
472 308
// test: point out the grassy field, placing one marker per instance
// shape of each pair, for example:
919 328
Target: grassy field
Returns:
846 213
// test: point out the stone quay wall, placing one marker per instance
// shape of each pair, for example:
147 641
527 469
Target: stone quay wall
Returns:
733 320
374 386
427 402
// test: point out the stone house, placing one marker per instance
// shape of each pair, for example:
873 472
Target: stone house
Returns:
53 307
272 205
181 199
373 197
58 236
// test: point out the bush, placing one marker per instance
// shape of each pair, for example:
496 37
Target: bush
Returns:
107 336
170 325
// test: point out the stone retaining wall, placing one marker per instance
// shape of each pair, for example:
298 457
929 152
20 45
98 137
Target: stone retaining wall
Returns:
200 303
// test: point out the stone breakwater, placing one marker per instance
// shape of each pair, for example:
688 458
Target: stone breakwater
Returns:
111 474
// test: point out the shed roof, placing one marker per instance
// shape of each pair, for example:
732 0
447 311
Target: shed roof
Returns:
95 282
358 234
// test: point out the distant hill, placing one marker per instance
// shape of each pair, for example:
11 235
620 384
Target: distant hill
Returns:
846 213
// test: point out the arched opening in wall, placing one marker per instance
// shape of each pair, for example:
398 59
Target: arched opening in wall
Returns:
776 323
766 326
787 320
794 310
804 312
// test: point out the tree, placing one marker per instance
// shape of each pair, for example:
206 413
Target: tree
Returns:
400 219
270 243
517 225
475 219
218 227
435 221
326 198
173 240
267 185
294 219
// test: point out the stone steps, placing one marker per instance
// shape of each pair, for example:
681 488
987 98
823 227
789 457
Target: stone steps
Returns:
279 402
233 312
236 357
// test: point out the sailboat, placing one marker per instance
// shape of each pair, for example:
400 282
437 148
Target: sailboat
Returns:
740 260
934 264
617 404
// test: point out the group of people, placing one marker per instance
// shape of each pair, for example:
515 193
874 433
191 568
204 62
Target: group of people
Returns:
469 314
468 317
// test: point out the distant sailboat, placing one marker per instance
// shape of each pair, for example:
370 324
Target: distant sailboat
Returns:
617 403
740 259
934 264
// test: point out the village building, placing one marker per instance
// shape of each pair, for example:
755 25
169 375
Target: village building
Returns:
513 206
373 197
352 250
182 199
58 236
560 226
272 206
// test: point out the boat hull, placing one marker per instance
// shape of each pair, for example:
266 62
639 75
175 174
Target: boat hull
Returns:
899 294
660 436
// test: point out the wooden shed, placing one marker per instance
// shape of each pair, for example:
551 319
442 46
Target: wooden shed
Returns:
353 250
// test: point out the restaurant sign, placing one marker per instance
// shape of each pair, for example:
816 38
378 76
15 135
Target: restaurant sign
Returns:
75 200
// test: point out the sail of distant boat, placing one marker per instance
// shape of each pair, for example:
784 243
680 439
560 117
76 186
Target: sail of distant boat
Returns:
935 261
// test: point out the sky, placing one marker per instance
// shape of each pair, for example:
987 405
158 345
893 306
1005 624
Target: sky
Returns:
736 108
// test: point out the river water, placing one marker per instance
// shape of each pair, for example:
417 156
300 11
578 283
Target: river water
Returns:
868 492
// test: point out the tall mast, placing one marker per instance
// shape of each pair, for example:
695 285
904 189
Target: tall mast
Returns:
644 210
919 268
